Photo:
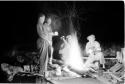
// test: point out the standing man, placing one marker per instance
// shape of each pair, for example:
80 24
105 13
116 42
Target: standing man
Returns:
44 43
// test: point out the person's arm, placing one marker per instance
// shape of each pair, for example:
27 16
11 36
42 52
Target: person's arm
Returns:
97 46
87 48
64 40
54 33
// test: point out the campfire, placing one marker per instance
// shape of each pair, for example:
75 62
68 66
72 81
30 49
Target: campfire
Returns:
73 52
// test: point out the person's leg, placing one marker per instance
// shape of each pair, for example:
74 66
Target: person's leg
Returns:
51 54
100 57
102 60
96 65
43 57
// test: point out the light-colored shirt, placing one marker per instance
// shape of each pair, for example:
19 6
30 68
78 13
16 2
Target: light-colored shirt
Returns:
45 32
92 47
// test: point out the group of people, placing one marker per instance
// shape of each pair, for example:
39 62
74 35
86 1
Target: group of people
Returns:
44 44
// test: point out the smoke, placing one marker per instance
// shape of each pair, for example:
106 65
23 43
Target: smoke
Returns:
72 51
56 22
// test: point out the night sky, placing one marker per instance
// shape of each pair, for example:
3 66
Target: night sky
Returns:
18 20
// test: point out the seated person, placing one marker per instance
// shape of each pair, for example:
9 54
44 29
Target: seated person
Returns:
93 50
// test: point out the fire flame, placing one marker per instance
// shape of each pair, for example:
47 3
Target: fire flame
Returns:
74 58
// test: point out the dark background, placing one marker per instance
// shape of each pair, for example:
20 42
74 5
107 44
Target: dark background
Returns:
18 21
